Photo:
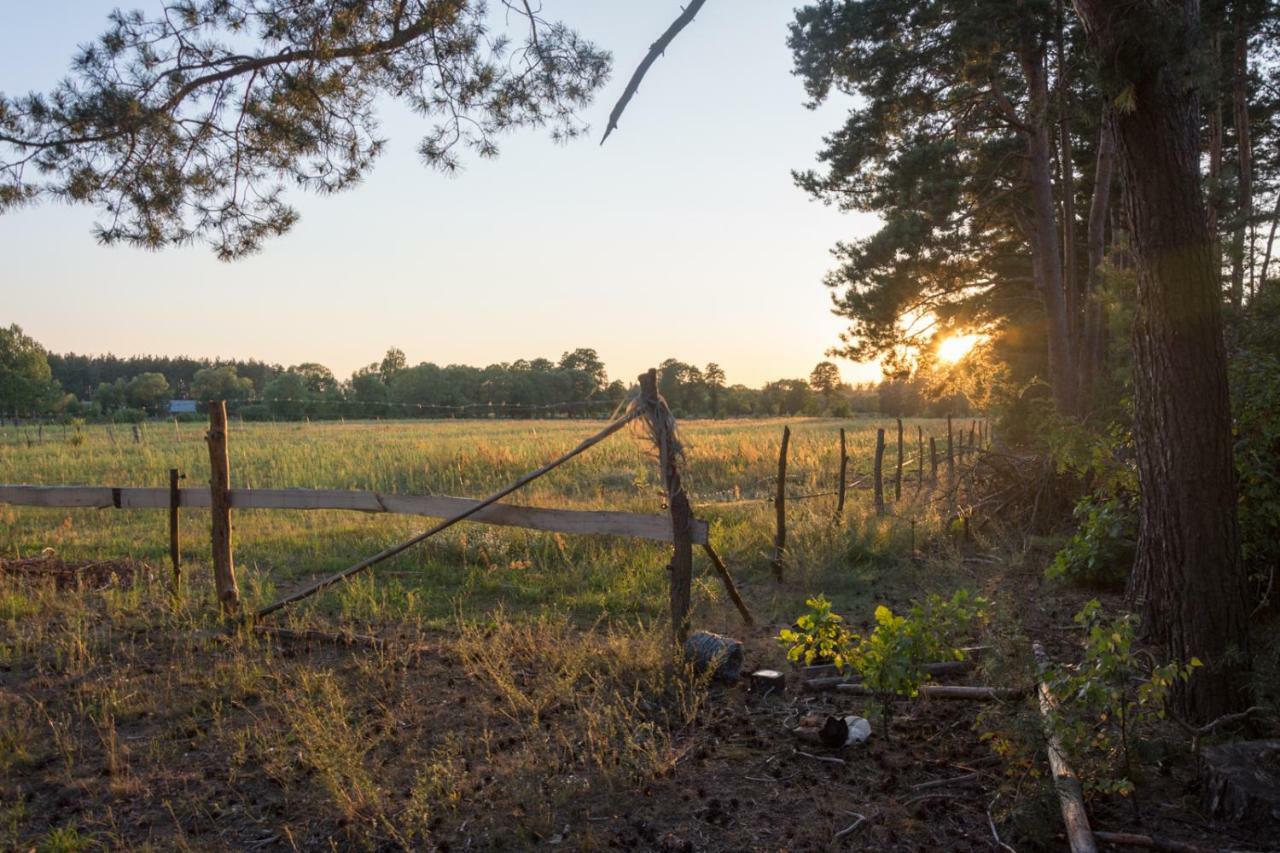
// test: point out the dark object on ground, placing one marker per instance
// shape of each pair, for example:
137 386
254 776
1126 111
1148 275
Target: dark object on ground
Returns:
764 680
707 650
1242 781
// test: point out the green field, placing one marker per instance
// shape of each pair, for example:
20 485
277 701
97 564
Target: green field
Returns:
526 690
730 470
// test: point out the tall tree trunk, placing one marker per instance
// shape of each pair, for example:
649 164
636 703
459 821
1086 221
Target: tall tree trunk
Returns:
1214 193
1046 253
1188 581
1070 278
1244 152
1094 346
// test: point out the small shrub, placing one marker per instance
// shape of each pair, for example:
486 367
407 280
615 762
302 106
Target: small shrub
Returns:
1102 550
819 636
1108 698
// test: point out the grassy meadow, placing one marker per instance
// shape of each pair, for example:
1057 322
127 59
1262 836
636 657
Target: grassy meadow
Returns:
730 471
525 694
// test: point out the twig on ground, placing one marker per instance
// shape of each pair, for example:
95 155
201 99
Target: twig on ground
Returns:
851 827
830 759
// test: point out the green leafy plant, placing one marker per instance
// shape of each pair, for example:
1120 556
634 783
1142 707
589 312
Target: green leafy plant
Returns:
819 636
1113 694
1101 551
891 659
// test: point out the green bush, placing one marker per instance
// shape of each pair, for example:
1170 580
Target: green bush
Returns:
1101 551
819 636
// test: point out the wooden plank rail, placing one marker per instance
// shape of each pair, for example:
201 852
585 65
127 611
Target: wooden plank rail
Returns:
595 522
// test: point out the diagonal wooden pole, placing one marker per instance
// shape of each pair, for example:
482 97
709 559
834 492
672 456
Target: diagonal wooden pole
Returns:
729 585
324 583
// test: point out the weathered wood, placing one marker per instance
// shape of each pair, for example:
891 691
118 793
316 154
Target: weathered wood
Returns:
937 670
175 552
1241 781
729 585
919 457
897 477
1152 842
780 507
386 554
1070 793
590 522
933 460
878 473
947 691
951 454
844 472
662 426
224 569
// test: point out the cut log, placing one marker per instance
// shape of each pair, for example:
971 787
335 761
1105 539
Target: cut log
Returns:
937 670
1242 781
946 691
1070 793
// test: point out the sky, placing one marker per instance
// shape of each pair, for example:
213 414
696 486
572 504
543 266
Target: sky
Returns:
683 236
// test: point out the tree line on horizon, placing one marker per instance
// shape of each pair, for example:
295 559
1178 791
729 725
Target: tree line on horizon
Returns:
34 383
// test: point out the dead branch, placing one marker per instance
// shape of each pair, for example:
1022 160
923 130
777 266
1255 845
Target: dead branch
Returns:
655 50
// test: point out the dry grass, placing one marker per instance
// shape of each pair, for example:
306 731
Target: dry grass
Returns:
526 692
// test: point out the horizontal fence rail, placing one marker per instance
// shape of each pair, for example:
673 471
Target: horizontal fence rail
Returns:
594 522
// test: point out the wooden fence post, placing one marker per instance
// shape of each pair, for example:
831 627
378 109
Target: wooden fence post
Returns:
780 507
175 554
919 457
224 570
951 454
844 470
897 477
933 460
973 428
879 468
681 567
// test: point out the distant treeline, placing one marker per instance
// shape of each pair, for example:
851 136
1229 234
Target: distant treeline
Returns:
113 388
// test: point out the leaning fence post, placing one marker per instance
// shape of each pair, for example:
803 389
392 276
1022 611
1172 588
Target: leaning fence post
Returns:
951 454
877 476
175 554
681 567
844 470
897 477
224 570
780 507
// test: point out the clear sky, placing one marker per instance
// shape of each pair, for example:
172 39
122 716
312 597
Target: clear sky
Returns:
682 237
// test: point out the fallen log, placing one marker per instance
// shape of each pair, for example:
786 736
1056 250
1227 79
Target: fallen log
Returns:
1242 781
954 667
946 691
1156 842
1070 793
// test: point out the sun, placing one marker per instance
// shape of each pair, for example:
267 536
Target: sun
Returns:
956 347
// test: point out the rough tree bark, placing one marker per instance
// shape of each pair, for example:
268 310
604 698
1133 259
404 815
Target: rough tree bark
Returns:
1046 252
1094 346
1188 581
1244 151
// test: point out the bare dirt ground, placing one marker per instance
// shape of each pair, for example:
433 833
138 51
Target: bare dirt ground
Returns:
122 731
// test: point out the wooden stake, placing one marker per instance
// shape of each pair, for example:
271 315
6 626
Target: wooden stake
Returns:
175 553
780 507
897 477
729 585
933 460
973 428
1070 793
224 570
951 454
919 457
662 424
878 485
844 472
